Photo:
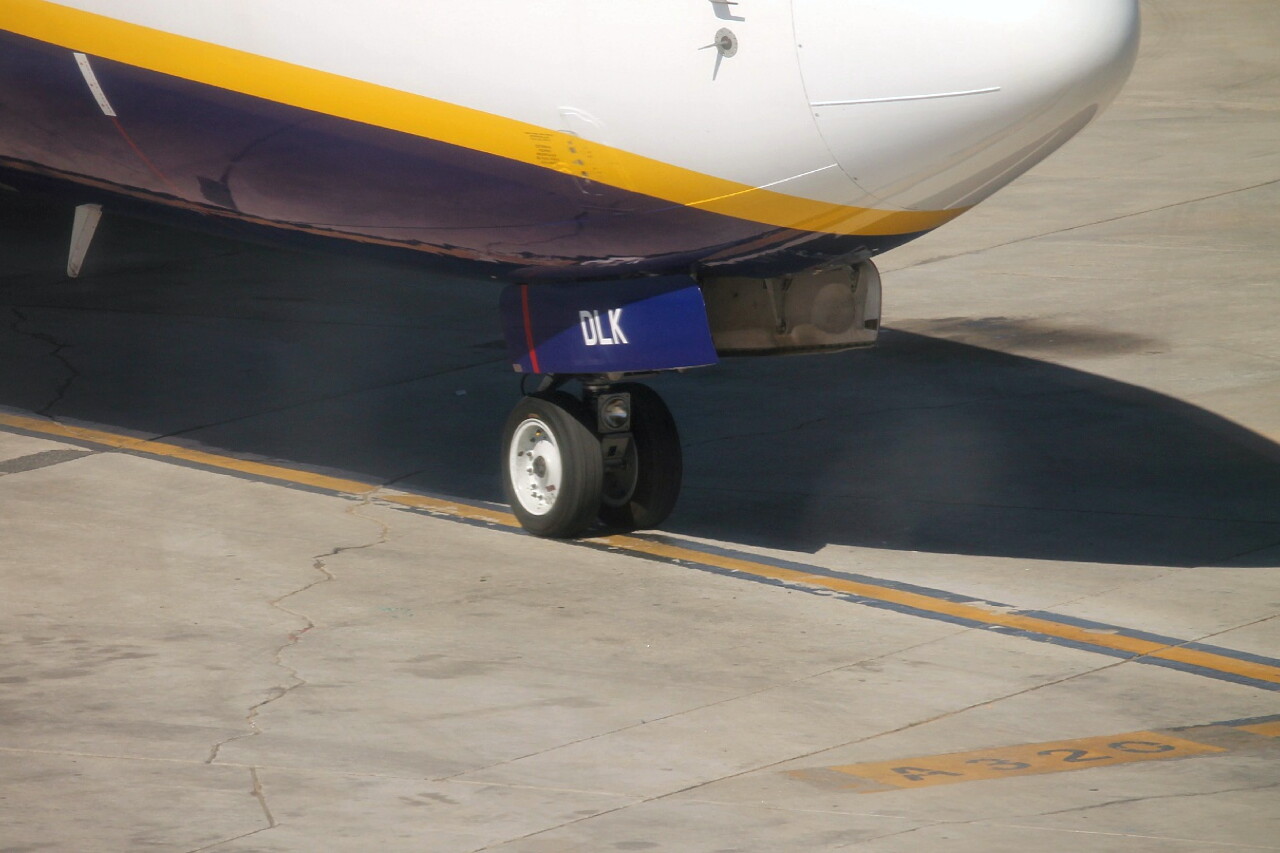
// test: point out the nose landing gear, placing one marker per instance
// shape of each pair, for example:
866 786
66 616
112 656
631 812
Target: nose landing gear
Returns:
613 456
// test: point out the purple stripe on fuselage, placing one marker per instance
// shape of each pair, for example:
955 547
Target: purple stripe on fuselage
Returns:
233 161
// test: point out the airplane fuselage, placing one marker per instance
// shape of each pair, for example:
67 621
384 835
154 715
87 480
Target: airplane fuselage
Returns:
565 138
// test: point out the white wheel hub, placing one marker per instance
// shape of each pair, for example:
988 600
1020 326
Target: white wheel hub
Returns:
535 467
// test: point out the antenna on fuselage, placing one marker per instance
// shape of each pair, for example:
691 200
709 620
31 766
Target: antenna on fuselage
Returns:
82 231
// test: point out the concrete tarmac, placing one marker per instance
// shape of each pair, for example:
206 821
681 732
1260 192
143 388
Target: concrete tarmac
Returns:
1009 581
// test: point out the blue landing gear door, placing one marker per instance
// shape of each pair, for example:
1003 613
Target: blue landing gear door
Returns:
621 326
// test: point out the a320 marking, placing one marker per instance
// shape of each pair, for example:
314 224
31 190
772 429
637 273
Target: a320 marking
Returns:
1025 760
1020 761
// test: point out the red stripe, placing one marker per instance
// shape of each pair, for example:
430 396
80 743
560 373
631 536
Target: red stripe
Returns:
528 328
145 159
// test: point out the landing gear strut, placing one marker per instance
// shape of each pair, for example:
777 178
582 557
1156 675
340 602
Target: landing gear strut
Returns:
614 455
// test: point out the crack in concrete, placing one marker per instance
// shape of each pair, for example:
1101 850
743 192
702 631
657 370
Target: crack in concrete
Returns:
57 349
278 692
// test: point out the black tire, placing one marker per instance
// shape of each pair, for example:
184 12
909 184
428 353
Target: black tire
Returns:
648 492
571 504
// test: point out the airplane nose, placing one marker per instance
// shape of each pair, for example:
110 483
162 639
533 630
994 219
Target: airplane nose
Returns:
936 104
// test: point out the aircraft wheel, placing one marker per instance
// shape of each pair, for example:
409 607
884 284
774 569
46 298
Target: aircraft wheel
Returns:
641 491
552 469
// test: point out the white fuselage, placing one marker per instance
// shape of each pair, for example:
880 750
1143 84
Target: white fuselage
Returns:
855 118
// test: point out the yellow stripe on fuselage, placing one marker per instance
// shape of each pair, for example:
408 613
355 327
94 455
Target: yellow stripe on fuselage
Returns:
369 103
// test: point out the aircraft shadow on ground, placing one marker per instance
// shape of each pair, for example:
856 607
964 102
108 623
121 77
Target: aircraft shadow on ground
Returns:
922 444
926 444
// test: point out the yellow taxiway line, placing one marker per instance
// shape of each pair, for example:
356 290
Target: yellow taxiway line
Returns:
1110 639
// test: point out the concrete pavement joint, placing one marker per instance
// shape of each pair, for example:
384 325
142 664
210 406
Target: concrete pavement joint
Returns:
685 711
936 718
215 845
645 800
959 823
771 807
258 794
1106 221
288 768
972 823
1164 838
1155 797
901 832
1201 641
568 823
1251 551
68 753
770 765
